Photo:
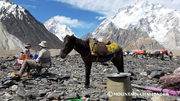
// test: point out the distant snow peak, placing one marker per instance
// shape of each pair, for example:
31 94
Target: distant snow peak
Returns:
7 1
54 26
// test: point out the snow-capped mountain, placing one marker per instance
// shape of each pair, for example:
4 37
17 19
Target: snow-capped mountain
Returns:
18 26
154 19
55 27
10 8
127 39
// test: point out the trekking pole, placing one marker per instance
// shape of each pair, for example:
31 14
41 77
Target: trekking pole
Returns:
6 80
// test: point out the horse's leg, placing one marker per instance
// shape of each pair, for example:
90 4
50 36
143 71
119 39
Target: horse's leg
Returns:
88 72
157 55
162 56
118 61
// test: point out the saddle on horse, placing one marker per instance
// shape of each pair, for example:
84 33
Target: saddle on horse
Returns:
103 48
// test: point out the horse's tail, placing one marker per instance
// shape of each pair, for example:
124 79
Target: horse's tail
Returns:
121 58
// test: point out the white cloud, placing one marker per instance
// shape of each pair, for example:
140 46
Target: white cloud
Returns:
100 17
109 8
73 22
27 6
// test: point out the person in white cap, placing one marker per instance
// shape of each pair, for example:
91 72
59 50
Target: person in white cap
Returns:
27 51
44 54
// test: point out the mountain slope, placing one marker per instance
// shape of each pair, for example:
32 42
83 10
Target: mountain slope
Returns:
98 30
128 39
54 26
18 23
173 37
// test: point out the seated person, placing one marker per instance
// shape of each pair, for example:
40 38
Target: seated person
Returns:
27 51
35 64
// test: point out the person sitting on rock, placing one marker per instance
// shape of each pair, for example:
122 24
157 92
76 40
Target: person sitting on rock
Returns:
27 52
35 64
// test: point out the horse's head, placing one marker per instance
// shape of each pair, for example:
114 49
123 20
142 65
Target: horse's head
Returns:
68 45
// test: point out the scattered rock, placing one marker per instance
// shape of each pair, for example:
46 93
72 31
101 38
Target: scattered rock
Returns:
65 79
104 96
3 67
159 98
72 96
21 93
42 93
143 73
7 96
156 74
53 95
14 88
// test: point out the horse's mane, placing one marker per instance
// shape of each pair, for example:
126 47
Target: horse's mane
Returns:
81 43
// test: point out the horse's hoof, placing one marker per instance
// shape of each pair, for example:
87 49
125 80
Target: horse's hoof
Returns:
86 86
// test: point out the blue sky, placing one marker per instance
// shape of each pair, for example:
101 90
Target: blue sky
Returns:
82 16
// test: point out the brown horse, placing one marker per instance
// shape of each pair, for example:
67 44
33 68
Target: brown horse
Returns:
82 47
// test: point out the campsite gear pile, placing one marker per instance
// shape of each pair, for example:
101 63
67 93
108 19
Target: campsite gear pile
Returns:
22 56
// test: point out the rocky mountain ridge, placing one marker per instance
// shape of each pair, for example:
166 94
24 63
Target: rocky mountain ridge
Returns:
18 27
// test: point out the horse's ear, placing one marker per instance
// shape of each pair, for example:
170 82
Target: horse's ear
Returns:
66 36
72 35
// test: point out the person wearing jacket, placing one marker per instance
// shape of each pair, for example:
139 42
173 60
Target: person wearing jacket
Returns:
40 62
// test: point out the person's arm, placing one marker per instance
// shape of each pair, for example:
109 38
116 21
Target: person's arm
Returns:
40 56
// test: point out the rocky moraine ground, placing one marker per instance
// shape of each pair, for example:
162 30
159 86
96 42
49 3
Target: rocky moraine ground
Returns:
65 79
